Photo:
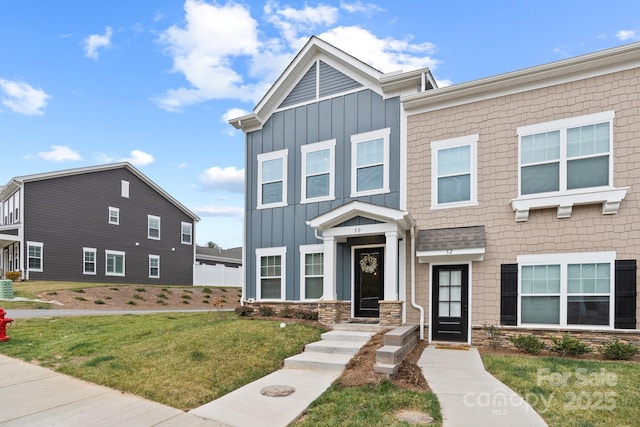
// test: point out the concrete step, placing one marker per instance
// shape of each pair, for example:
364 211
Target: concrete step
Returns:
359 327
317 361
339 347
350 336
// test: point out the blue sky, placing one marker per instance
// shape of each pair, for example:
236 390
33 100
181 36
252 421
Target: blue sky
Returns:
154 82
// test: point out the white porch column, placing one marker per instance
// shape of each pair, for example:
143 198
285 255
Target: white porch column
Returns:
329 269
391 267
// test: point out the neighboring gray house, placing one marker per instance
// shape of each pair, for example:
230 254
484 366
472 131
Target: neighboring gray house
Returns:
325 192
106 223
231 257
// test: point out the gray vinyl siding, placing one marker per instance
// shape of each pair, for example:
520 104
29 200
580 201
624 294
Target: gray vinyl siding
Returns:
304 91
337 118
69 213
333 81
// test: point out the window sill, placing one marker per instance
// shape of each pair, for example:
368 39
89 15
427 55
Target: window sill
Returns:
370 192
609 197
454 205
317 199
272 205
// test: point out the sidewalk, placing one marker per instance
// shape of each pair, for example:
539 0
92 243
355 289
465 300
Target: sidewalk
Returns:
469 395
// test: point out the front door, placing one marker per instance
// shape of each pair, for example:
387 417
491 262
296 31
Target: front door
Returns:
368 281
450 303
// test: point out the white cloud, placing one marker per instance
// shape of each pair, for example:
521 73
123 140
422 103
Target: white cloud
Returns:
97 41
228 179
360 7
203 50
386 54
624 35
60 153
291 22
226 211
22 98
233 113
139 158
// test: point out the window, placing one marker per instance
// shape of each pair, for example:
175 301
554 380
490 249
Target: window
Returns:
370 163
16 205
114 215
89 261
454 172
272 179
153 227
34 256
186 233
318 171
567 289
115 263
566 155
124 189
154 266
271 270
311 271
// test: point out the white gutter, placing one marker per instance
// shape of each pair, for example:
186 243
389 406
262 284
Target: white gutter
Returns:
413 282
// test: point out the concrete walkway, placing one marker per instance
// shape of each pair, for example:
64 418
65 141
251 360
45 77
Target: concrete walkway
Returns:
469 395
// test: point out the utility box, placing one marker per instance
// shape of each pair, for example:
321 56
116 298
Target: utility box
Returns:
6 289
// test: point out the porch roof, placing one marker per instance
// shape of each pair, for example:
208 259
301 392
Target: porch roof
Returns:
451 244
343 213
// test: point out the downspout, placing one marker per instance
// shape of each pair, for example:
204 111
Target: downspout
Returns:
413 281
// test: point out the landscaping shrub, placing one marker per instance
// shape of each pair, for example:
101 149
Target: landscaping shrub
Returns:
493 333
569 345
206 290
98 302
244 311
528 343
305 314
287 312
13 275
266 311
618 350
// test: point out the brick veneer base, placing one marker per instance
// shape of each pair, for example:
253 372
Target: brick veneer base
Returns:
593 338
391 313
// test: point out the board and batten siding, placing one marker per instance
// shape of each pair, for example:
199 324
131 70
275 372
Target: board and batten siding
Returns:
69 213
337 118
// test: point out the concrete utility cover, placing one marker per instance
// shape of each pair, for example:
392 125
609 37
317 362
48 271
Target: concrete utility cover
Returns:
277 390
413 417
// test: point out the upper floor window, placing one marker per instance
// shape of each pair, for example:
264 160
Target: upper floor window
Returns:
567 155
34 256
114 215
370 162
318 171
186 233
272 179
454 172
153 227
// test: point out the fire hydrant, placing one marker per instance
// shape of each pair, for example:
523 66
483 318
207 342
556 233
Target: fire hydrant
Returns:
3 325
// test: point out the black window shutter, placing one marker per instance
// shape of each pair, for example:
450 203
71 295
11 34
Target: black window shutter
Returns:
509 294
625 294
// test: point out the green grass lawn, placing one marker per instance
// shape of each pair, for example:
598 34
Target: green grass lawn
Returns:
182 360
573 393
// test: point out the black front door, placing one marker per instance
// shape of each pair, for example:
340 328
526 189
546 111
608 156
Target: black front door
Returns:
368 281
450 303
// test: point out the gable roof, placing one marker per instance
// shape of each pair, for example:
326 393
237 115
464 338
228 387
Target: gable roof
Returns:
359 74
355 209
17 181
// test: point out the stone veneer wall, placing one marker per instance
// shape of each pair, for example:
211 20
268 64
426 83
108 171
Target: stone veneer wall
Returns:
277 306
593 338
391 313
333 312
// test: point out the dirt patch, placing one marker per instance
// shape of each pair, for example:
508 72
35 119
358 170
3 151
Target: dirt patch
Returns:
144 297
359 370
502 351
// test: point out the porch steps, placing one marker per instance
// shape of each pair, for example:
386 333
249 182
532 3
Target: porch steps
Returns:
398 343
331 353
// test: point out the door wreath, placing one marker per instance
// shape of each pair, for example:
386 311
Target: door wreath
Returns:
368 263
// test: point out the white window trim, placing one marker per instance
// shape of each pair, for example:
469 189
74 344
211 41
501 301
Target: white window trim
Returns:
124 262
149 218
117 210
310 148
564 259
304 250
564 200
363 137
282 251
182 224
436 146
41 246
124 189
95 261
150 258
281 154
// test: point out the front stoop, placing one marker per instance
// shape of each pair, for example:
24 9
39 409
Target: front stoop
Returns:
331 353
